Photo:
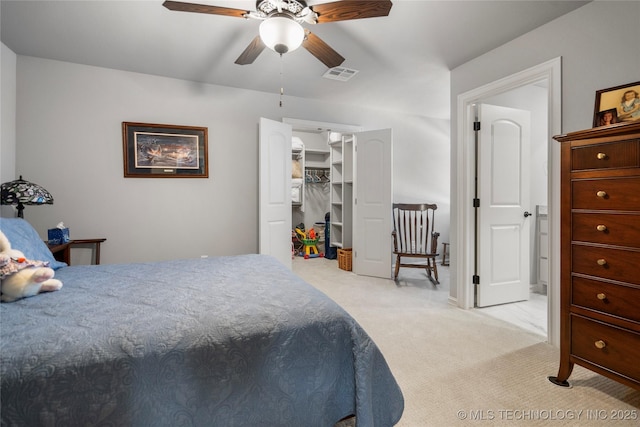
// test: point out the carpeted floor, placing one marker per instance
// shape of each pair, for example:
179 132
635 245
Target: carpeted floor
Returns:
461 367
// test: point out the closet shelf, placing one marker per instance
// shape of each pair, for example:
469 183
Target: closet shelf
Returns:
317 151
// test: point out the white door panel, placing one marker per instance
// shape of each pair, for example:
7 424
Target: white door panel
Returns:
375 250
503 184
503 239
505 161
373 198
274 204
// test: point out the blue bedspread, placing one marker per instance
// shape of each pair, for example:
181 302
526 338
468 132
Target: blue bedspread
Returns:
227 341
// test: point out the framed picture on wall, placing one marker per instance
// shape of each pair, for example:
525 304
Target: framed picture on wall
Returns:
164 151
619 104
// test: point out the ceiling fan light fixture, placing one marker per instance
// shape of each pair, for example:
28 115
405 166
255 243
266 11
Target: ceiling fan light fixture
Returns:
281 33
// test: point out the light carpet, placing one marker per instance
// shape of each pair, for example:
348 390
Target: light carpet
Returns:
461 367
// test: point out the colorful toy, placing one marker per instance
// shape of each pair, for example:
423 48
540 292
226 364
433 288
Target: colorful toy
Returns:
309 243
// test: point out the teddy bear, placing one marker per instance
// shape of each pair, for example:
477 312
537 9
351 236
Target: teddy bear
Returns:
21 277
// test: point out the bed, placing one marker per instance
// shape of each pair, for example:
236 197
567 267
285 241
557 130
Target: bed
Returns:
219 341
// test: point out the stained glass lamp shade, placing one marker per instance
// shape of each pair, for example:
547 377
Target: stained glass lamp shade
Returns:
21 192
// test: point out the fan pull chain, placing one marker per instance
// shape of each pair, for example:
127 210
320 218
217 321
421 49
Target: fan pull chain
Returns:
281 79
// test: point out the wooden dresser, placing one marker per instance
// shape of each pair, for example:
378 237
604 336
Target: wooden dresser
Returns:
600 253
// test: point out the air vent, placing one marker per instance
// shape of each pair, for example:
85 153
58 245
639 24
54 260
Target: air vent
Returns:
340 73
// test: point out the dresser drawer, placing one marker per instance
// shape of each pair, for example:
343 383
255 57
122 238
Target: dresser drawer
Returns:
605 156
614 348
607 194
616 300
607 228
615 264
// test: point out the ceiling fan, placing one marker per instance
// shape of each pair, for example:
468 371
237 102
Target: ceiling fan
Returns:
281 28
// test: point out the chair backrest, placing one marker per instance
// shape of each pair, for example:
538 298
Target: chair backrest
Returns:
413 228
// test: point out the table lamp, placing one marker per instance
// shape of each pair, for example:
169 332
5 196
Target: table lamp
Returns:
20 192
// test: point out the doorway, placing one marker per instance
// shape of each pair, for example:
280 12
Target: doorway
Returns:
314 137
360 187
503 238
512 191
546 74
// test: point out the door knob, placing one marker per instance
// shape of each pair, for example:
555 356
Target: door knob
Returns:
527 214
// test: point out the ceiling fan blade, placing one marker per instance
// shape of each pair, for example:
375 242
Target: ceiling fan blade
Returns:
203 8
321 50
351 9
252 51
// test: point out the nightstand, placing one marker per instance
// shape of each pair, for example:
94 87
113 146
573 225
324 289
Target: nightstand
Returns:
62 252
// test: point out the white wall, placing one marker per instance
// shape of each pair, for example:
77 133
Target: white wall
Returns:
69 140
8 61
595 55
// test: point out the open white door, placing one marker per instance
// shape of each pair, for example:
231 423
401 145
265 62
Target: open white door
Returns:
372 224
503 190
274 206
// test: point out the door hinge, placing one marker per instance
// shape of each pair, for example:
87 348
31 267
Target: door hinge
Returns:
476 279
476 126
476 203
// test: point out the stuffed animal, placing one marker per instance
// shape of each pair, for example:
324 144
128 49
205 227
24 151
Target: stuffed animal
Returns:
20 277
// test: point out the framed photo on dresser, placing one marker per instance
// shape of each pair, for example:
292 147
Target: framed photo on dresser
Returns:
619 104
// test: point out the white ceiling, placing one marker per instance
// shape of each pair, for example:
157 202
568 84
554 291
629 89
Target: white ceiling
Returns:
403 59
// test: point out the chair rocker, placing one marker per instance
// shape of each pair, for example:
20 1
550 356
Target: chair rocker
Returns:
414 237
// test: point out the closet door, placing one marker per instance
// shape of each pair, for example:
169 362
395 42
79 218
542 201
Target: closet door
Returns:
373 192
274 206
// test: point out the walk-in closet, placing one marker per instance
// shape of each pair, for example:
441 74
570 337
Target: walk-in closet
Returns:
341 187
310 183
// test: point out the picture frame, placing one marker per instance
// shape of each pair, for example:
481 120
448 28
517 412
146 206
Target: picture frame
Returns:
164 151
606 117
610 101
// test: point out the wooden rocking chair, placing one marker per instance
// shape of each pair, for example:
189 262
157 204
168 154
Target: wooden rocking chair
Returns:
413 237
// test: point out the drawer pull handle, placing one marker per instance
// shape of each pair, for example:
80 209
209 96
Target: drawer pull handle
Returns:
601 194
600 344
601 156
601 227
601 296
602 261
